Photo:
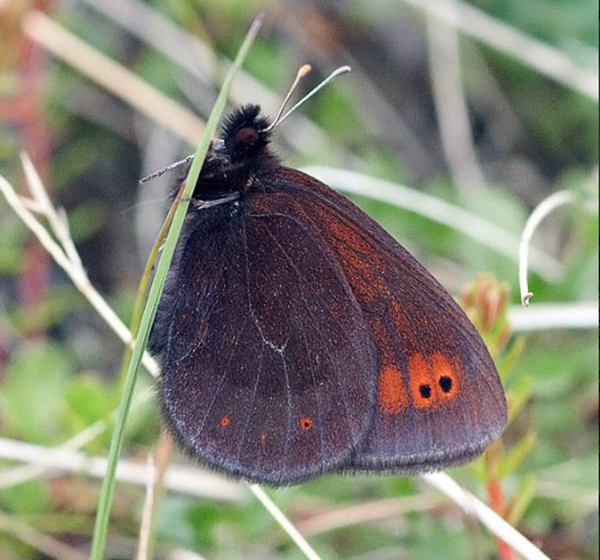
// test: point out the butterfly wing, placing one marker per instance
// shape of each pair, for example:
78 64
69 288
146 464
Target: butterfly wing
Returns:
266 363
440 401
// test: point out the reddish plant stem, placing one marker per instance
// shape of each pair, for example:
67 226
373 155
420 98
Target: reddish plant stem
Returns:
495 494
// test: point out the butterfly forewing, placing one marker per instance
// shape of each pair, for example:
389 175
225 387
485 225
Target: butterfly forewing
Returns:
267 372
440 401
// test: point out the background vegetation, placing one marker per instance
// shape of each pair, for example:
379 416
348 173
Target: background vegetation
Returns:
485 123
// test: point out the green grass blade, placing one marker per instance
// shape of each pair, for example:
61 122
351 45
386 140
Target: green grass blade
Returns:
140 298
103 513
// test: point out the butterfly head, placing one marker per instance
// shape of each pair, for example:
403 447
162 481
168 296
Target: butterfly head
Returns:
245 137
240 154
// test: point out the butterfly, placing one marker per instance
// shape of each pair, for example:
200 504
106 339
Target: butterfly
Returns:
298 338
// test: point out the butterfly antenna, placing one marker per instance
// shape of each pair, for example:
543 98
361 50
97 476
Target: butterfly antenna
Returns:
338 72
279 118
302 71
166 169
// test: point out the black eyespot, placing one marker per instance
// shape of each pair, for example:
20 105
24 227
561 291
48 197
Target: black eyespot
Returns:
425 391
445 383
245 137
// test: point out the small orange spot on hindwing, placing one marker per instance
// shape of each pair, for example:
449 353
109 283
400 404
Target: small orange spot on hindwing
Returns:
306 423
445 377
393 397
422 383
225 421
263 436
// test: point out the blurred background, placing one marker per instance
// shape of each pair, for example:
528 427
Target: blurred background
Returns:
481 109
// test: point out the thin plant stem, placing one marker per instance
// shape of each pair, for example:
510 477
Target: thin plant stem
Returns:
576 315
147 513
284 522
472 506
451 107
185 480
162 457
541 211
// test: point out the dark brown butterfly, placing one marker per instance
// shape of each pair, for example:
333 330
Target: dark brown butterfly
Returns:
298 338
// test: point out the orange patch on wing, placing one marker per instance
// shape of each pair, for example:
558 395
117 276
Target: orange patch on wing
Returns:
397 316
359 259
382 341
404 330
445 377
393 397
225 421
306 423
352 237
422 384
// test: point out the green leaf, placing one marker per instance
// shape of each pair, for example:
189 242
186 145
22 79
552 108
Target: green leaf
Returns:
523 496
519 395
89 400
32 395
27 498
507 362
516 456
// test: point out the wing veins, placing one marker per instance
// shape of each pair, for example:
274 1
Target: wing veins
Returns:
314 380
222 380
315 322
289 410
272 346
251 407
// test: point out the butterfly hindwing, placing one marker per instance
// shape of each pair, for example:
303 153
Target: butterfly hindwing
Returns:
440 401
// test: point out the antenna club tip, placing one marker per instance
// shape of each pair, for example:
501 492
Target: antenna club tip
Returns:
304 69
259 18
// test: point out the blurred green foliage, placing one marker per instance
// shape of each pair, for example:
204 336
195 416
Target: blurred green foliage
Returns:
58 362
